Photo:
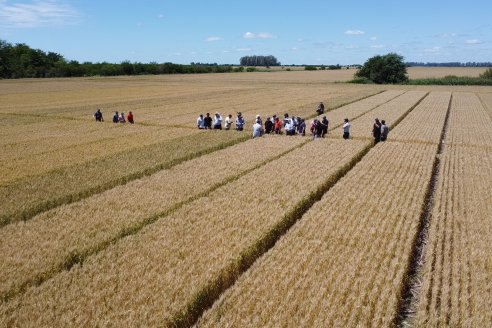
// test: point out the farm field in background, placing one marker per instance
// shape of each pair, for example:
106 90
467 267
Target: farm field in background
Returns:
161 224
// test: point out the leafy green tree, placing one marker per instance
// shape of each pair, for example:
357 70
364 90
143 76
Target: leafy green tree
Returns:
487 74
385 69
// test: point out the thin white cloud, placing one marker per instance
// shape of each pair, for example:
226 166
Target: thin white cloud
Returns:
354 32
31 14
243 49
373 38
474 41
213 38
433 50
377 46
261 35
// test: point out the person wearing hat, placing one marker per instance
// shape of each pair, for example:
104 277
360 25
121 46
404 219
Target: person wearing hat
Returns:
240 122
217 121
258 119
257 130
200 122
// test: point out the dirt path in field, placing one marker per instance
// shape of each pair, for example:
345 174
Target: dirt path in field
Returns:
412 285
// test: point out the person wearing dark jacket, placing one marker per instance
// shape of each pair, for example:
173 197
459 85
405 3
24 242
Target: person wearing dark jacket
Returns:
98 116
268 126
376 131
207 121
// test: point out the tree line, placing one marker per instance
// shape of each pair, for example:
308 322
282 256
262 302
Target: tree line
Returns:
451 64
21 61
259 61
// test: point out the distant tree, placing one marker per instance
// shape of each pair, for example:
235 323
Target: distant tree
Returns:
487 74
259 61
310 68
389 68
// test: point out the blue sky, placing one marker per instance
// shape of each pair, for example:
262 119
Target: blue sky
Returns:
307 32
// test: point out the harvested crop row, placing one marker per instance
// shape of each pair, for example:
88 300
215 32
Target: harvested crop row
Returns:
391 112
343 264
179 262
28 197
469 123
457 276
487 101
69 232
30 165
424 123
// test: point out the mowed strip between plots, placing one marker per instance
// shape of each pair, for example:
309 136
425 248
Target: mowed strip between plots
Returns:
159 273
344 263
457 275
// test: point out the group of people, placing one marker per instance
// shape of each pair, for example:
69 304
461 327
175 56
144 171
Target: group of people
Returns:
117 118
380 130
207 122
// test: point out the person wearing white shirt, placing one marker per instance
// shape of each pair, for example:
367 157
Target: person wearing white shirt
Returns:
228 122
346 129
217 121
257 130
200 122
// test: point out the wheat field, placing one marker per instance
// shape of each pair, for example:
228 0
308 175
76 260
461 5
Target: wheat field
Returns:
161 224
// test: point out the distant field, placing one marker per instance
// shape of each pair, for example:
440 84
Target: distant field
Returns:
160 224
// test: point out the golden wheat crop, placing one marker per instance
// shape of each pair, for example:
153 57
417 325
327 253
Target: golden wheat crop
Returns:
424 123
343 264
457 285
391 112
157 273
32 195
74 230
469 122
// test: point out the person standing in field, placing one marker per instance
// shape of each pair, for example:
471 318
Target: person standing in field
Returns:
217 121
240 122
200 122
384 130
278 126
130 117
376 131
321 108
257 130
207 122
116 117
228 122
98 116
301 129
268 126
346 129
324 126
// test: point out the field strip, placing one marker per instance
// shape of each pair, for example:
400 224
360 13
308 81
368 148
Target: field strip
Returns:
391 111
32 196
173 266
358 109
28 167
457 275
71 233
423 125
486 99
343 263
71 184
470 124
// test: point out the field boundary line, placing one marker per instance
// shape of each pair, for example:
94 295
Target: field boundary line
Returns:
411 288
206 297
47 205
76 258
